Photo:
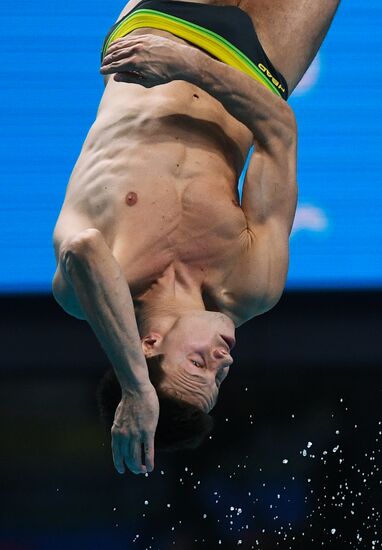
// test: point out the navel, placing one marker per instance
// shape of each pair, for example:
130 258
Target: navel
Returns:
131 198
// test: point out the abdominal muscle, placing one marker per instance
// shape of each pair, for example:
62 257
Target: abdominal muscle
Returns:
157 175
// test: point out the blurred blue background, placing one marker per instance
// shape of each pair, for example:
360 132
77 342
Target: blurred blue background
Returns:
50 91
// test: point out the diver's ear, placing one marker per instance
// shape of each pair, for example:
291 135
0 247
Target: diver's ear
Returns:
151 344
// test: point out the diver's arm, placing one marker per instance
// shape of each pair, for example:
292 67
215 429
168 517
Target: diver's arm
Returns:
270 189
269 203
264 113
104 297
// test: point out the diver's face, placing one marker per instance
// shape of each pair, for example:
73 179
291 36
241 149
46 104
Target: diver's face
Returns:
197 356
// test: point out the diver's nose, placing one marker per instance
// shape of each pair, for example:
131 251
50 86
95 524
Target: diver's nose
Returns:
221 353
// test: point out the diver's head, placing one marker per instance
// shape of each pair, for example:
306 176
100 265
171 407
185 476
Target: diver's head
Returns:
197 357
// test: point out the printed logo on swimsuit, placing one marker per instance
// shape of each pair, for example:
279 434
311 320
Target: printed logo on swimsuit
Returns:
269 75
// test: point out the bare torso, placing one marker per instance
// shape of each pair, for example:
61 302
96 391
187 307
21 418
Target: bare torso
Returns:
159 168
158 175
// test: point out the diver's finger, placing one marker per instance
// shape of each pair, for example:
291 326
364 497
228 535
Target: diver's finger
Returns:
123 41
128 456
117 453
148 450
136 455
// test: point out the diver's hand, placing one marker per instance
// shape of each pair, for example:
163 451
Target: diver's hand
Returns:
147 59
135 422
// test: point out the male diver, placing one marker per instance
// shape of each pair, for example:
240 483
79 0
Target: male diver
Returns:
153 249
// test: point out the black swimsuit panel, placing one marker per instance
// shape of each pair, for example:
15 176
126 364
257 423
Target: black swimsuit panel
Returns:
227 28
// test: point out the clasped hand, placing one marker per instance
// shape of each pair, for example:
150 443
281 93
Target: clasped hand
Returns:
147 59
135 422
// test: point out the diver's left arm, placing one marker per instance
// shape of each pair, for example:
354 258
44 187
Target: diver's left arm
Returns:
270 189
264 113
269 204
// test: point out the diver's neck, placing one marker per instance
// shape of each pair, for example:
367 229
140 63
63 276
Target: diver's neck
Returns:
168 298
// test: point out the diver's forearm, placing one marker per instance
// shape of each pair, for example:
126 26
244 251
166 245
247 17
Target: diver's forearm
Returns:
247 100
105 299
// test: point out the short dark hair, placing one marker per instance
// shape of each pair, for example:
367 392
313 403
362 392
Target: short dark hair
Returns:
181 425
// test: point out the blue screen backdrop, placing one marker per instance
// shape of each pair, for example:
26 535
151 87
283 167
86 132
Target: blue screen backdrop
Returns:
50 91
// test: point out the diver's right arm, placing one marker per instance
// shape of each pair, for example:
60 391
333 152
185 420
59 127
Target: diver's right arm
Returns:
104 300
102 292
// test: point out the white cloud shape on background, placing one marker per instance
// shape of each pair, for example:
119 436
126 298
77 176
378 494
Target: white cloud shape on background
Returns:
310 78
310 218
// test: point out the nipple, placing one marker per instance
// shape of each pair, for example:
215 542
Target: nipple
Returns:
131 198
